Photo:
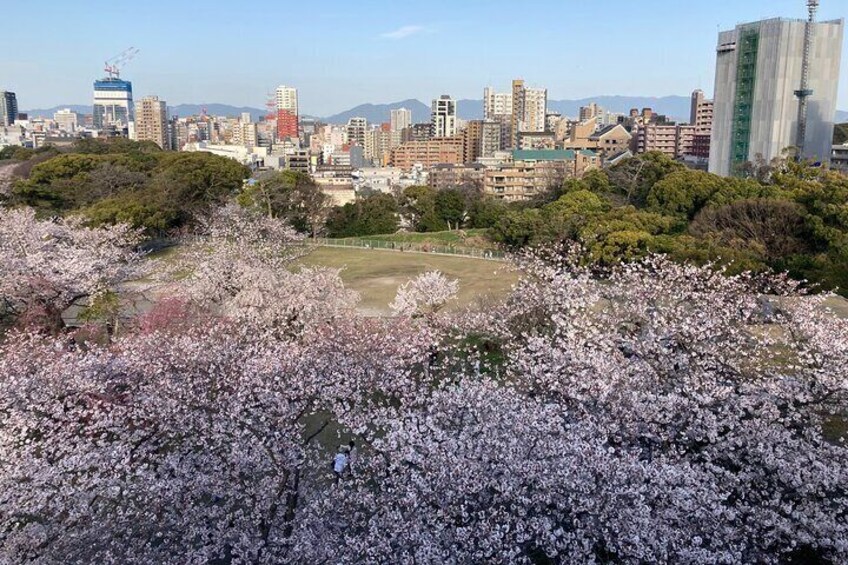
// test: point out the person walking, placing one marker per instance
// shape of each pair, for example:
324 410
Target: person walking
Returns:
340 462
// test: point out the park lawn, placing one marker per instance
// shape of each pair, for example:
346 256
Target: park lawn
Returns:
376 274
477 238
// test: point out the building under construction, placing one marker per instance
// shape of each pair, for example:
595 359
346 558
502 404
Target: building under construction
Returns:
775 88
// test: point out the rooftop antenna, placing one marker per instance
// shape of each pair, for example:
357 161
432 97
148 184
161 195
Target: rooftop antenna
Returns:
805 92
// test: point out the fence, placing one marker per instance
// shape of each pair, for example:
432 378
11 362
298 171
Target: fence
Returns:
411 247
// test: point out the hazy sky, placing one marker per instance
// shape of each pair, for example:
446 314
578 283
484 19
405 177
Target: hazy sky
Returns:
343 53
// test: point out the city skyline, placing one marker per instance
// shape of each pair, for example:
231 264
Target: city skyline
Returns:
397 53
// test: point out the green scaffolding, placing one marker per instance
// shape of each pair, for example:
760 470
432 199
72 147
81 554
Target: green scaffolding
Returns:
746 78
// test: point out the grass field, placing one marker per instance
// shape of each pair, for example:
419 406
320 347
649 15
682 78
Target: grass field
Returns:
376 274
462 238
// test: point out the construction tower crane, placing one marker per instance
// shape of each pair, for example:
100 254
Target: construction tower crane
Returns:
114 65
805 92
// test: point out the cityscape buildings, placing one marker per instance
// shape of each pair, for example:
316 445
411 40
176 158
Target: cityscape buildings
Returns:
760 67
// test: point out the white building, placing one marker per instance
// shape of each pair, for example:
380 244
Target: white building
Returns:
756 109
286 99
66 120
113 103
496 103
443 116
253 157
401 118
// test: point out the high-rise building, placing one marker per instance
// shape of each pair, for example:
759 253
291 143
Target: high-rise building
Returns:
701 117
496 104
400 118
701 112
517 111
287 112
151 121
529 107
443 116
491 137
356 128
245 132
535 109
286 124
113 103
761 89
8 108
286 99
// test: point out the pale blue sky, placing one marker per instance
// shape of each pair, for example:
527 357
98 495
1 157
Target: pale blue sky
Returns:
343 53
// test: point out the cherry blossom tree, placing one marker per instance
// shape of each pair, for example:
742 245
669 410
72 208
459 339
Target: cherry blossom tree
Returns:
243 264
425 294
182 448
654 412
48 265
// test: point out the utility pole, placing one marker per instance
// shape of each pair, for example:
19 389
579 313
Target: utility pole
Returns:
805 92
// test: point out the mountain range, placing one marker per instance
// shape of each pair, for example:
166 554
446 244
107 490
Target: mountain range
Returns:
676 107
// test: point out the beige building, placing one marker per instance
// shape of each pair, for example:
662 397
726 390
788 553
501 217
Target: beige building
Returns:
606 142
445 176
427 153
675 141
151 121
533 172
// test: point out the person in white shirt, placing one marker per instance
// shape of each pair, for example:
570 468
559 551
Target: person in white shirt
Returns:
340 462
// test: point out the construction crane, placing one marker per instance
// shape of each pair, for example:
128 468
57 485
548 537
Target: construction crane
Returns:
114 65
805 92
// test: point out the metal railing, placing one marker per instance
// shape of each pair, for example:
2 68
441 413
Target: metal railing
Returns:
410 247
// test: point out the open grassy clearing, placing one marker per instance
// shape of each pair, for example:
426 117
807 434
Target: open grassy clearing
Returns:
476 238
376 274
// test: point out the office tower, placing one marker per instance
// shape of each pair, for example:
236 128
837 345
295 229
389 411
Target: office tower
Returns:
113 103
496 104
356 128
762 88
151 121
8 108
443 116
400 118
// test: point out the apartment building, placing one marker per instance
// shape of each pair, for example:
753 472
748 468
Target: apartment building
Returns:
427 153
533 172
151 121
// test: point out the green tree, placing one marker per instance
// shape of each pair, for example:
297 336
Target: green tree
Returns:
634 177
292 196
418 208
450 207
372 215
197 182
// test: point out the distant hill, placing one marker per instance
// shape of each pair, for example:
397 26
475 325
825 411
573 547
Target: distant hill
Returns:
48 112
675 106
841 116
380 113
